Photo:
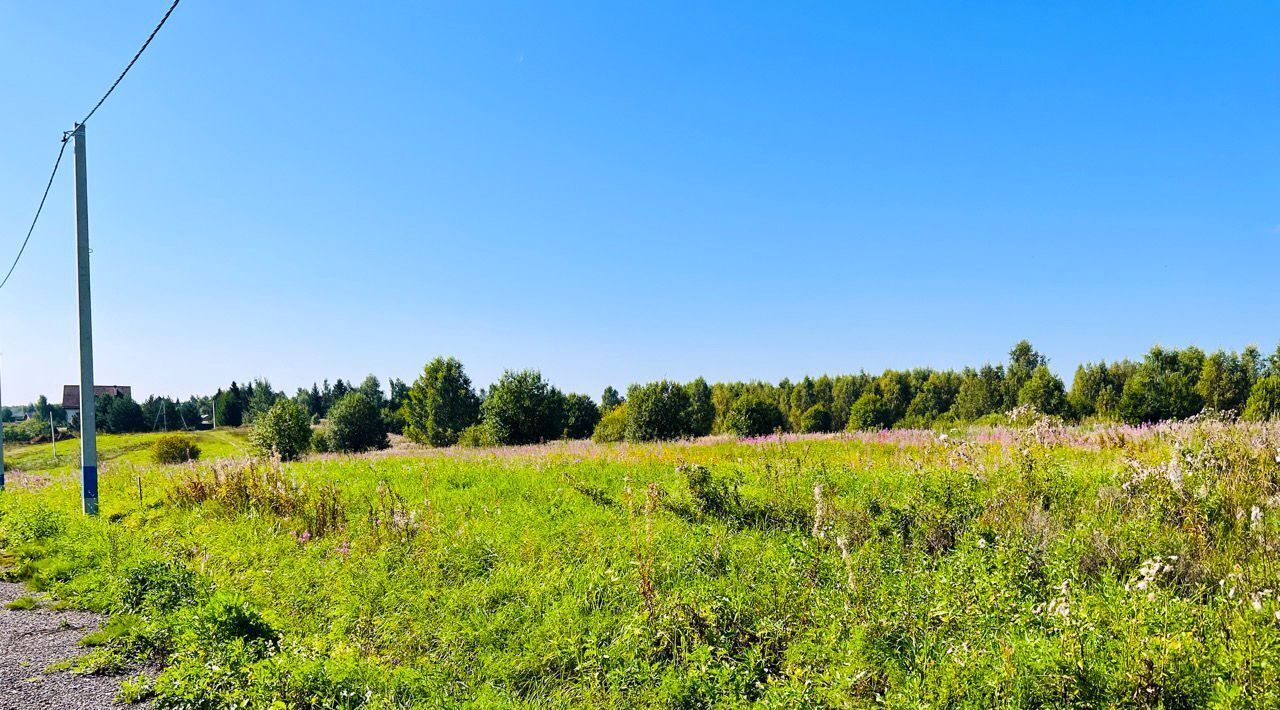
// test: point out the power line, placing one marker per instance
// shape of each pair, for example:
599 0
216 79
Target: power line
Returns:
66 135
129 66
39 209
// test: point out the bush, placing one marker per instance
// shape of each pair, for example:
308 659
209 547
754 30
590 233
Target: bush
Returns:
285 431
355 424
1264 400
612 427
440 404
320 442
523 408
580 416
751 415
477 436
175 448
815 419
658 411
155 586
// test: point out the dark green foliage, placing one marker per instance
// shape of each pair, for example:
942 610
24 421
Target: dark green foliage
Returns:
712 495
230 618
156 586
1023 363
523 408
477 436
869 412
174 448
118 415
372 390
815 419
1224 383
610 399
355 424
752 415
283 430
1097 388
1163 387
612 427
1264 400
935 397
1044 391
658 411
702 410
580 416
229 406
261 398
845 390
981 392
440 404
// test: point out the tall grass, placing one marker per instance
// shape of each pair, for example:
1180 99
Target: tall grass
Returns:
1043 566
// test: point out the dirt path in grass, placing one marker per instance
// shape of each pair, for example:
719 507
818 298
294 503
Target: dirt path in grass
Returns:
30 641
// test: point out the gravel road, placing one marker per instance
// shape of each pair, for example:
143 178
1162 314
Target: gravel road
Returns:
30 641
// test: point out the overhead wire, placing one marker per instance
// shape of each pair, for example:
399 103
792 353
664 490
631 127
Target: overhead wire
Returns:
67 134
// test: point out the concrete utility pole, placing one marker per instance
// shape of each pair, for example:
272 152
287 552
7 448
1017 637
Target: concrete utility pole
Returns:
88 437
1 447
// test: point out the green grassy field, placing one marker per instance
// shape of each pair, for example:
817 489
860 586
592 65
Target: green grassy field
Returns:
1117 567
119 448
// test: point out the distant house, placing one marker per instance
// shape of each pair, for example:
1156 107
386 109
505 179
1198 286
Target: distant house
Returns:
71 396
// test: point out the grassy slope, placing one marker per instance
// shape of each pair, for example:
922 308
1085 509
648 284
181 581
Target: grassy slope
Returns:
131 448
940 573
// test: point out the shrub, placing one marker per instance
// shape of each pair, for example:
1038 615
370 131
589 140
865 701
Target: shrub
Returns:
1264 400
580 416
658 411
175 448
712 495
815 419
869 412
612 427
355 424
320 442
523 408
477 436
284 430
440 404
752 415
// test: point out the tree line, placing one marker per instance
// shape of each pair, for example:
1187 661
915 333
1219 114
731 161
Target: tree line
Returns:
442 407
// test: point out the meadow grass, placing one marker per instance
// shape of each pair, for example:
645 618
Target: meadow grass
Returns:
1037 567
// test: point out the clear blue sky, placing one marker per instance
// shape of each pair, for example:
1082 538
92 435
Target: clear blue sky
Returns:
618 192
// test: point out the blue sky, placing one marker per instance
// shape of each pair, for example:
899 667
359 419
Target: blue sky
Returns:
618 192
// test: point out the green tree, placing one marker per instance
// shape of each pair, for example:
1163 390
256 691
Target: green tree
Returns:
1264 400
355 424
261 398
42 408
981 392
702 410
440 404
1024 360
283 430
658 411
1163 387
935 397
870 412
815 419
523 408
1224 382
610 399
580 416
1044 391
612 427
229 407
372 390
753 415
